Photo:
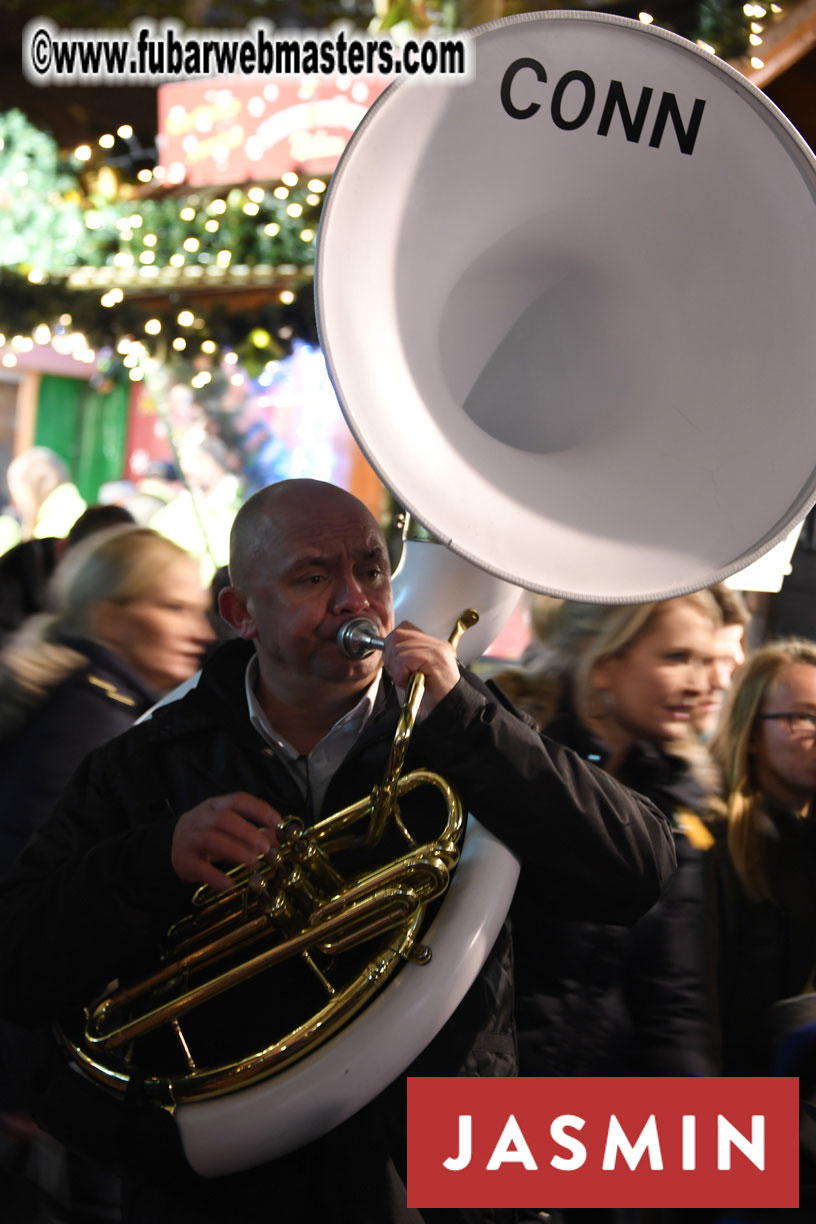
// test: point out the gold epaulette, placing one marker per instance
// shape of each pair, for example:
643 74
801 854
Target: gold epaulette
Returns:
698 833
111 690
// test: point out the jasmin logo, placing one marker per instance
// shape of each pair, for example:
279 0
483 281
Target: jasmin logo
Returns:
604 1142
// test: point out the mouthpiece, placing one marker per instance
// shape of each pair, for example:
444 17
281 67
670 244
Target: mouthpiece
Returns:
358 638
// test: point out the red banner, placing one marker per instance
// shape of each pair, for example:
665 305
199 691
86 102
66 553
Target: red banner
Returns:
683 1143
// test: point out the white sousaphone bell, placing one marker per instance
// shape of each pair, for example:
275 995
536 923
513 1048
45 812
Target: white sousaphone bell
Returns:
566 304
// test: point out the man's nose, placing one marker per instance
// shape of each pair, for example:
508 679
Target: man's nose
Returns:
349 595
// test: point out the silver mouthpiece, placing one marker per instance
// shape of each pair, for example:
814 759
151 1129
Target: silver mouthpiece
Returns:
358 638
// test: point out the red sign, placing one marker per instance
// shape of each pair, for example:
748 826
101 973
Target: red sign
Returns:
235 130
537 1143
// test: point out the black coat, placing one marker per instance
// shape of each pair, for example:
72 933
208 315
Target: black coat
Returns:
605 999
95 891
99 699
765 949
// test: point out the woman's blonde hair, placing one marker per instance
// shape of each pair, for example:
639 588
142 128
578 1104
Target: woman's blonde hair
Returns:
731 747
582 635
120 565
578 637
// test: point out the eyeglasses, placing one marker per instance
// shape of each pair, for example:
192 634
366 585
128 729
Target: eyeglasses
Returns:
801 726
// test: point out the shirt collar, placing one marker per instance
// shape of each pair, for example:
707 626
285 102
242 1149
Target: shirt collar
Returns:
351 722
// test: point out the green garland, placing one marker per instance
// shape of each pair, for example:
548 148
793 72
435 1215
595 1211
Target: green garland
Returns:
81 234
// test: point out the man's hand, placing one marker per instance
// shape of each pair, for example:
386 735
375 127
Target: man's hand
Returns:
408 650
234 828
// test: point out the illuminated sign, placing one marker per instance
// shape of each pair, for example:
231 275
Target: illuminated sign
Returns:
234 130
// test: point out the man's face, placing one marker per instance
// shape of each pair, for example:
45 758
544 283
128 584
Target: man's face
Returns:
322 568
729 653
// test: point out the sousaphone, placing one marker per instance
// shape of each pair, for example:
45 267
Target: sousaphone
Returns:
566 304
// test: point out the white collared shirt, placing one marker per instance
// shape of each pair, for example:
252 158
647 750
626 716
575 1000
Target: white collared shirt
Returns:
312 772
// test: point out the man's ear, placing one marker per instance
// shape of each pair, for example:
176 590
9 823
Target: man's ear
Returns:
232 606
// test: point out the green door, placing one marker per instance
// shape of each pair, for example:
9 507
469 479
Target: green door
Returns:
86 427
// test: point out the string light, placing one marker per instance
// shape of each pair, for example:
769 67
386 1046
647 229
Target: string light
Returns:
143 253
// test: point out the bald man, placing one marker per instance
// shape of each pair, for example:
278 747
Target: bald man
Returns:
282 723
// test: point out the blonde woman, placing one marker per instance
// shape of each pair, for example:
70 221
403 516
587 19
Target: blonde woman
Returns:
622 684
763 867
129 624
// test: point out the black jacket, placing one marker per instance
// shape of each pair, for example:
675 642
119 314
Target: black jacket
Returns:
95 890
765 949
46 733
604 999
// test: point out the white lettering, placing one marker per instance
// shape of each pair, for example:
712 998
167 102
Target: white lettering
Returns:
558 1131
518 1153
462 1160
616 1140
728 1136
689 1141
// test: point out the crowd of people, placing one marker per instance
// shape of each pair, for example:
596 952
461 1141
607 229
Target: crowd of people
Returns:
653 772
